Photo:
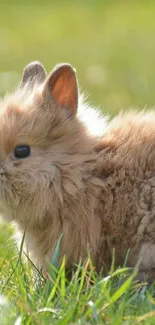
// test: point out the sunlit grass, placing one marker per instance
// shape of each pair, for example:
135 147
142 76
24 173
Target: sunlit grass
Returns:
84 298
111 44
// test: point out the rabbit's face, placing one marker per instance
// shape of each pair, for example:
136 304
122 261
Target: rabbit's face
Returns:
33 134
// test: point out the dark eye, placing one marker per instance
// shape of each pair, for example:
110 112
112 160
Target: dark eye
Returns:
22 151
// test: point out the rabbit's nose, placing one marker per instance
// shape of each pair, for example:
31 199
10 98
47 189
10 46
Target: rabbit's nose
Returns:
1 171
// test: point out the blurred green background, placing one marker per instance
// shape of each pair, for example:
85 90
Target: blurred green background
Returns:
110 43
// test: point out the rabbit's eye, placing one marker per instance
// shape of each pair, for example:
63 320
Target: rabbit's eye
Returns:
22 151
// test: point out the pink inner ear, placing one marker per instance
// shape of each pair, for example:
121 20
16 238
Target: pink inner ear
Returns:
63 86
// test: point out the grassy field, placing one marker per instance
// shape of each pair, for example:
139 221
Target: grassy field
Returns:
112 46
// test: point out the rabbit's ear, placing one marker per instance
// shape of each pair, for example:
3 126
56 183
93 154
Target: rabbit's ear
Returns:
61 86
34 72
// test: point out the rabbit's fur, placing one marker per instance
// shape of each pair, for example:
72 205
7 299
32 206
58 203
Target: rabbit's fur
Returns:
99 191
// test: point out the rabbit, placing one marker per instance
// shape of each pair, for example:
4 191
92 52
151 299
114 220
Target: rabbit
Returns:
58 176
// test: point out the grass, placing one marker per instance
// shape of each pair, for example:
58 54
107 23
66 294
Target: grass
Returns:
111 44
84 299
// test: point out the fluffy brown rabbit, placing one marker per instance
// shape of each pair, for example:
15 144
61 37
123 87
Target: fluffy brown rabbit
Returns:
56 176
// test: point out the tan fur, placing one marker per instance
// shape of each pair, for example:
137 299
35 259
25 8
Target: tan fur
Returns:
98 191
